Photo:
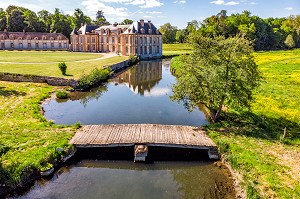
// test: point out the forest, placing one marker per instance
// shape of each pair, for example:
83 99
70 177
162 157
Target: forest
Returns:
18 19
266 34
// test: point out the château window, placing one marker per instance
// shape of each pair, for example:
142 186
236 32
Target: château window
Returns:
29 45
20 45
150 40
36 45
145 50
93 39
52 45
145 40
44 45
150 50
59 45
12 45
11 37
126 39
2 45
88 40
113 40
119 40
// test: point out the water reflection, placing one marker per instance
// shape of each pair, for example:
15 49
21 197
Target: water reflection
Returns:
142 77
136 96
122 179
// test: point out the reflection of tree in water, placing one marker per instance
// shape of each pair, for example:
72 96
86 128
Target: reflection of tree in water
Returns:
142 77
85 97
207 182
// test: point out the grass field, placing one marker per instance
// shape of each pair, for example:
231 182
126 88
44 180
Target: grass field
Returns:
27 140
251 140
175 49
43 67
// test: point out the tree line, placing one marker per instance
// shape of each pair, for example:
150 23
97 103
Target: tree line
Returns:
18 19
266 34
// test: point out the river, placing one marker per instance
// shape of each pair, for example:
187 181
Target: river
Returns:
138 95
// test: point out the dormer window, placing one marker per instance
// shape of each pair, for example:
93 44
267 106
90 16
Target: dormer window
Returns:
44 37
2 37
51 38
11 37
36 38
142 30
150 31
28 38
157 31
59 38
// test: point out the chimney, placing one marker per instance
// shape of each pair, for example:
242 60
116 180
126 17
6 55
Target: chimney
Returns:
5 30
81 24
23 30
115 24
142 22
149 22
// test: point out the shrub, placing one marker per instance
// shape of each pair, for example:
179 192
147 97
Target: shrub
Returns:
63 67
62 95
133 59
92 79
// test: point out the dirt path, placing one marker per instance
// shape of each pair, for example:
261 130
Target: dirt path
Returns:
104 56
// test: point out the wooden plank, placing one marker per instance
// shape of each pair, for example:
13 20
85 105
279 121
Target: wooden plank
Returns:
144 133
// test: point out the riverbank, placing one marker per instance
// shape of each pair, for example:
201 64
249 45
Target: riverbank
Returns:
28 141
262 145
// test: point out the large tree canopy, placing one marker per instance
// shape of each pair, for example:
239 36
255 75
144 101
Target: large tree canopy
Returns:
220 72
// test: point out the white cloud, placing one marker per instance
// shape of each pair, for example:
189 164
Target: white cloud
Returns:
289 8
154 12
180 2
147 17
222 2
156 92
151 4
92 6
253 3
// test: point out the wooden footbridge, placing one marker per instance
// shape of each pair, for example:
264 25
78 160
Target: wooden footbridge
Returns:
143 135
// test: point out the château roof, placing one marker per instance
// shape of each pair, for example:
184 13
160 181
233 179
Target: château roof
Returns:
138 27
87 28
31 35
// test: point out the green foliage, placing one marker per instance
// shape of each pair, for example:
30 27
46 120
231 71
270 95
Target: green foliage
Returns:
176 49
126 21
289 41
220 72
133 59
62 67
168 33
62 95
28 141
95 77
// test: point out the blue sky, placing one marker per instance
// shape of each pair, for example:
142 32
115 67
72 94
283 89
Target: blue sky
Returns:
177 12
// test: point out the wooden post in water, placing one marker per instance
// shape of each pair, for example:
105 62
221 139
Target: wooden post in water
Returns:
140 153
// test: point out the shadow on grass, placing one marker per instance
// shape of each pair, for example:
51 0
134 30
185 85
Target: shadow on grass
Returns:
258 126
68 75
9 92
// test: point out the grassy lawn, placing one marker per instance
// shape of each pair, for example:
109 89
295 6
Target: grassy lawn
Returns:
74 70
251 140
27 140
175 49
45 56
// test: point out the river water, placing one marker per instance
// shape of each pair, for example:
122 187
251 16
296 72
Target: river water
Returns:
137 95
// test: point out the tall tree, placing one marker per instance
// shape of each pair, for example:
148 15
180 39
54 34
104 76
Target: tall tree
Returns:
220 72
15 19
126 22
100 19
80 18
2 19
168 33
45 18
60 23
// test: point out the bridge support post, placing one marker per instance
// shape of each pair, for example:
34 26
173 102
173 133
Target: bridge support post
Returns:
140 153
213 153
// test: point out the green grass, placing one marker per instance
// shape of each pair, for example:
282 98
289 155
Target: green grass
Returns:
175 49
45 56
27 140
251 140
74 70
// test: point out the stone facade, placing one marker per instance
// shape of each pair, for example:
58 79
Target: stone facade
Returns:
33 41
140 38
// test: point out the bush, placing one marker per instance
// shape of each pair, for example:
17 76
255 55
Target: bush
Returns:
95 77
133 59
62 95
63 67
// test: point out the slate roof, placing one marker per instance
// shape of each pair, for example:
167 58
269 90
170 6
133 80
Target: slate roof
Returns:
31 35
87 28
138 28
